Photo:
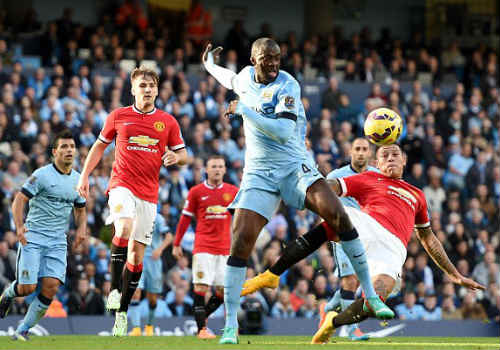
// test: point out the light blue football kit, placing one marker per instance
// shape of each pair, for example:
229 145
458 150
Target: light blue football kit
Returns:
342 261
275 168
151 278
52 198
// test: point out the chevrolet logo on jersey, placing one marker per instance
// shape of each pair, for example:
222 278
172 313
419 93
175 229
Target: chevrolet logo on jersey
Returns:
216 209
143 140
404 193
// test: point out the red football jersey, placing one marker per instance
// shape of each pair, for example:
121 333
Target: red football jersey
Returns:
394 203
208 205
141 141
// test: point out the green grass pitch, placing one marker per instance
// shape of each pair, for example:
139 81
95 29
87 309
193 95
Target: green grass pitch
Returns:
247 342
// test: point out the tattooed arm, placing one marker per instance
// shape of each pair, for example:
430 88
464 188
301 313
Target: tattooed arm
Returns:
436 251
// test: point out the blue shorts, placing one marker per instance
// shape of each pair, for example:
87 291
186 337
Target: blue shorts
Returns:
344 266
261 191
151 279
35 261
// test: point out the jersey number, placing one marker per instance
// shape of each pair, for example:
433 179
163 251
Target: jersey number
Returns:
305 168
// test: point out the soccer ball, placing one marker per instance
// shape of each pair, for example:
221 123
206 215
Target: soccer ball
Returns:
383 126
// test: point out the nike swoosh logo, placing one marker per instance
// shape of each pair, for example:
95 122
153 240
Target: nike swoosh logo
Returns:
128 123
357 256
204 197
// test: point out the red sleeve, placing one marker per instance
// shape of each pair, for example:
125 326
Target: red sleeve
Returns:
422 216
191 204
175 140
352 186
108 132
182 226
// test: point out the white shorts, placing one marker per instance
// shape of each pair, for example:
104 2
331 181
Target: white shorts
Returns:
124 204
209 269
385 252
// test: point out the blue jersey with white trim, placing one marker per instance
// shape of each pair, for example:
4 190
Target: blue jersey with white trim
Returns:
282 95
52 197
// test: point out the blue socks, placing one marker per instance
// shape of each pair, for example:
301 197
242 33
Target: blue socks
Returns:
235 276
36 311
356 253
151 315
334 302
134 313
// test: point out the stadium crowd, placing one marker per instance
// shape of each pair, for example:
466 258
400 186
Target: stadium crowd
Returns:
452 143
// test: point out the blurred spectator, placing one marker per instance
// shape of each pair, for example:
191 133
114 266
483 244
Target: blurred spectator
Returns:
431 312
283 308
472 310
179 307
7 265
84 300
449 311
409 310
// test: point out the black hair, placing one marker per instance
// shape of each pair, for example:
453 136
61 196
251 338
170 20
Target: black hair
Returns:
63 134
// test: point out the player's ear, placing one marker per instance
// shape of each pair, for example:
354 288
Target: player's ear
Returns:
252 60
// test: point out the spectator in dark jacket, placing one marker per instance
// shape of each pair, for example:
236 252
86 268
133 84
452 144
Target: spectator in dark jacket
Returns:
85 301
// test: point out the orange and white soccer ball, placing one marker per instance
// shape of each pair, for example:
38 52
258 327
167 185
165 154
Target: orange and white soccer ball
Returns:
383 126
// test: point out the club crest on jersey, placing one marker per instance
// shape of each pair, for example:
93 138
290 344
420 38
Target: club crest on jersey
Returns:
289 102
25 274
143 140
159 126
267 95
226 197
117 208
200 274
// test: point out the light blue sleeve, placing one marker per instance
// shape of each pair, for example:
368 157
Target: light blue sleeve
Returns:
240 82
335 174
288 98
34 184
161 225
279 129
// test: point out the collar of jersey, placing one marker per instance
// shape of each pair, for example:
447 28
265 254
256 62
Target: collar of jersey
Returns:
59 171
138 111
212 187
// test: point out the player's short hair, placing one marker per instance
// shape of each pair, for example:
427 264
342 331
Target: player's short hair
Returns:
146 73
263 43
215 156
64 134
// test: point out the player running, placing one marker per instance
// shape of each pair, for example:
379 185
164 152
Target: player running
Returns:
391 209
360 156
207 203
151 279
277 166
43 244
146 138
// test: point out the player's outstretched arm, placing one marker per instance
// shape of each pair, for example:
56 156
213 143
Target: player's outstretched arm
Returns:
93 158
223 75
435 249
164 244
18 206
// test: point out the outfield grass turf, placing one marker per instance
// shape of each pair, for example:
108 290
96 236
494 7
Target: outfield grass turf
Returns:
247 342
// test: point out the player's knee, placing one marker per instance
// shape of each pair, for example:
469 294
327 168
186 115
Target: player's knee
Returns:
200 288
123 228
338 220
349 283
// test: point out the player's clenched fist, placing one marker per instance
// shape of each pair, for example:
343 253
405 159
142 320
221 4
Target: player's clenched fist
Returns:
170 158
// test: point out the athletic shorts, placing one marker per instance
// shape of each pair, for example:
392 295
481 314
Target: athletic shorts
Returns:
124 204
209 269
385 252
151 279
35 261
261 191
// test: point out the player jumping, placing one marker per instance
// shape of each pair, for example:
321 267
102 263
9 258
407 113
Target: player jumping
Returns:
207 203
43 244
277 166
146 138
391 209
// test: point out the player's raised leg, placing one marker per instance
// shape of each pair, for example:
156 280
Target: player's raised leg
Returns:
247 225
